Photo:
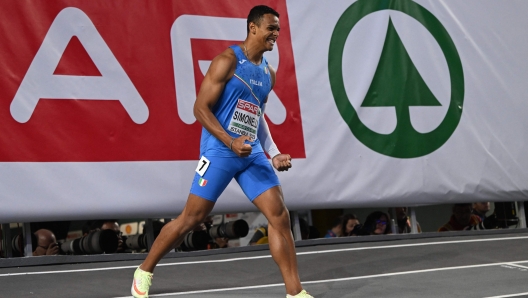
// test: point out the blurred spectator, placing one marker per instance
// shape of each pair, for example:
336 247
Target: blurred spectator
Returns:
261 234
349 225
377 223
87 227
46 243
218 242
58 228
305 228
314 233
92 226
114 226
140 242
204 235
336 229
110 224
480 209
462 219
403 221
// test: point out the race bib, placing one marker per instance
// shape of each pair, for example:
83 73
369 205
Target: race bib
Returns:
245 119
203 165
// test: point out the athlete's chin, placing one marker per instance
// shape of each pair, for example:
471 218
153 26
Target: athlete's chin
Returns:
270 45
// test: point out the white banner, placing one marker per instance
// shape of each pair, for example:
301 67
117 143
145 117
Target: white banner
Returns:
382 102
483 158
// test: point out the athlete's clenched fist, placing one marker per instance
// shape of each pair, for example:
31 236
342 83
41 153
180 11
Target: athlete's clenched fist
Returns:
282 162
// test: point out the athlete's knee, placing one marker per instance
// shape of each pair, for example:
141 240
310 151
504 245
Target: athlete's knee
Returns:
189 221
195 211
280 218
194 220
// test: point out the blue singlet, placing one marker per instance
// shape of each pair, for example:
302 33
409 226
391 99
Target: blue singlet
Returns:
238 110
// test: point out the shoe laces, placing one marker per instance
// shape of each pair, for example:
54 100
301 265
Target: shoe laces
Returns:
302 294
145 278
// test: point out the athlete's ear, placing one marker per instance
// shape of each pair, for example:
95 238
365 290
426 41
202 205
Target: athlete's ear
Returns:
252 27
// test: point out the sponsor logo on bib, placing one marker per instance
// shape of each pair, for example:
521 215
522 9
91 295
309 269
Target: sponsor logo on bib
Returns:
245 119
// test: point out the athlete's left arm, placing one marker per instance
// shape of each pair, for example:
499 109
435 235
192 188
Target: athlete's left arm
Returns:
282 162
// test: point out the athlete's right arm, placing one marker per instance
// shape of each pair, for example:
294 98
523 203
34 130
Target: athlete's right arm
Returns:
221 70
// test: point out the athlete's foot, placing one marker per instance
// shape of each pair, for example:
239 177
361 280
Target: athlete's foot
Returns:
141 283
302 294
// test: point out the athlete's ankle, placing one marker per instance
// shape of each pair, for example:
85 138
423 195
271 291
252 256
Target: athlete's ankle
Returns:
295 292
145 269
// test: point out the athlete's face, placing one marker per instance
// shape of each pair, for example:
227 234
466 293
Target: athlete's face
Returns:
268 31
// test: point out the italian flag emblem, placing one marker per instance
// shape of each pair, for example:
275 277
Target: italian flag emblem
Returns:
202 182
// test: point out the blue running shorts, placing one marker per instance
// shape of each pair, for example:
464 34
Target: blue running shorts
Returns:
254 174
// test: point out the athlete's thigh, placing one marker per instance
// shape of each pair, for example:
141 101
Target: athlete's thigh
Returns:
220 171
258 177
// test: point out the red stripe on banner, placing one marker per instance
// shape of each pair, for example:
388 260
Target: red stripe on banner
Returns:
138 36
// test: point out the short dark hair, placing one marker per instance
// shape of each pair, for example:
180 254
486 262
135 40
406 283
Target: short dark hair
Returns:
256 13
337 221
463 205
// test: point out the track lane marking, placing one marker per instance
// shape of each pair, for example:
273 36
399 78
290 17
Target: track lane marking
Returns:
269 256
519 266
342 279
414 244
510 295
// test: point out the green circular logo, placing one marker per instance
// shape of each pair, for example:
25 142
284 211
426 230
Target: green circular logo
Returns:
397 82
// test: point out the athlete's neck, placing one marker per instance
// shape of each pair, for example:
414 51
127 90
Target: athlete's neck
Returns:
253 55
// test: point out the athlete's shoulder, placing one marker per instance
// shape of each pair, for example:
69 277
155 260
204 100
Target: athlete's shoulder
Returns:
224 64
228 56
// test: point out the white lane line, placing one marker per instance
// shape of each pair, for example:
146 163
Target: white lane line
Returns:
135 266
269 256
510 295
413 244
340 279
210 291
519 266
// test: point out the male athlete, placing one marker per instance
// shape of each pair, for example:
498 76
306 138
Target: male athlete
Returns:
230 106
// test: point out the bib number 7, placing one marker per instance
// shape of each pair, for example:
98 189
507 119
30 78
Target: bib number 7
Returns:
203 165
